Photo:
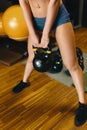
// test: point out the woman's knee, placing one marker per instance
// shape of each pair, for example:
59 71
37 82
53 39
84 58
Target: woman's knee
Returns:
72 66
30 58
30 54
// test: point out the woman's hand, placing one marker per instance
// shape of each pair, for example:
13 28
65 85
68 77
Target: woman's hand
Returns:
34 39
44 41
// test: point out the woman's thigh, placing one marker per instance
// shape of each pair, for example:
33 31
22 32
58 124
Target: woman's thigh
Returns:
66 42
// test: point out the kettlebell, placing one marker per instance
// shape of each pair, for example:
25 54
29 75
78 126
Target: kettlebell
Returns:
79 51
41 61
56 62
80 57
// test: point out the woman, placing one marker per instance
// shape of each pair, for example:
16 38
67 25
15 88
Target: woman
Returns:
47 16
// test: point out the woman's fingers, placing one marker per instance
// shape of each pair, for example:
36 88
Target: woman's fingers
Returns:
44 43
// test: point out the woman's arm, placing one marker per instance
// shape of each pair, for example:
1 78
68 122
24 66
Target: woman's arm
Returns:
27 15
52 11
33 37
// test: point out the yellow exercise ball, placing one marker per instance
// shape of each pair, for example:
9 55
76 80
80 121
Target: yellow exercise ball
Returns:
14 23
2 32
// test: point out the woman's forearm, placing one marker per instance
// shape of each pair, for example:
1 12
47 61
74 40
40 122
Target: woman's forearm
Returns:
27 15
52 11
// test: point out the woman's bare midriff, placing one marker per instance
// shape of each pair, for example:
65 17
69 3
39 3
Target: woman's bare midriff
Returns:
39 7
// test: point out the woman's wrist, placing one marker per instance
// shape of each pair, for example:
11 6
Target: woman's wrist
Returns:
32 32
45 33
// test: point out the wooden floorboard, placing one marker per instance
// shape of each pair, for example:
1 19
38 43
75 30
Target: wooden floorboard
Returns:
45 105
81 38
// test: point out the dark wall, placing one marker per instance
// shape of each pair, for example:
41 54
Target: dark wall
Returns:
14 1
73 8
84 18
4 4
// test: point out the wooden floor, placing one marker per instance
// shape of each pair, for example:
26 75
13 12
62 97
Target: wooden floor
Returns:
45 105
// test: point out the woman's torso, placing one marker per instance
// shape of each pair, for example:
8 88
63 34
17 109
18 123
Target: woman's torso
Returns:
39 7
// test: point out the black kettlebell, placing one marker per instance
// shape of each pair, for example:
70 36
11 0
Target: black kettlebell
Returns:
79 51
56 62
41 61
80 57
81 61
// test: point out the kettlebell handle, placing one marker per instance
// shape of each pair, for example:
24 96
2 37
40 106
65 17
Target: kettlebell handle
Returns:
45 50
